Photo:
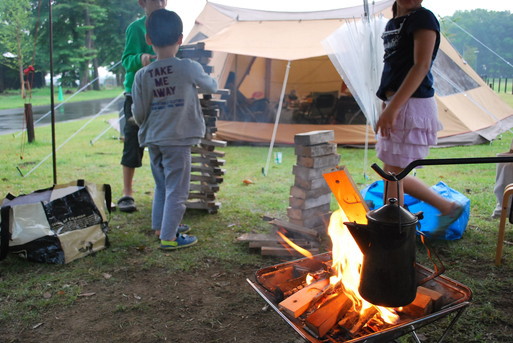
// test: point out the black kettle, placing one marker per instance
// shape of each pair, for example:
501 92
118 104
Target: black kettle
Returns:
388 276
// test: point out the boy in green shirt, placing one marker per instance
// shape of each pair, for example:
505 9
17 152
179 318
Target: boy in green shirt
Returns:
137 54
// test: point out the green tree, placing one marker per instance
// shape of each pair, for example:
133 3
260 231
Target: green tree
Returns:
110 37
87 34
484 39
15 22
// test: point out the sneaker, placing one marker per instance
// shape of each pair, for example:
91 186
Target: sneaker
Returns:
182 228
182 241
127 204
445 221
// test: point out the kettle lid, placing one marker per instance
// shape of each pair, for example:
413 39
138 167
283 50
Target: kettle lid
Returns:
392 213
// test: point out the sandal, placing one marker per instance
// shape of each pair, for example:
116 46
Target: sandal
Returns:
127 204
445 221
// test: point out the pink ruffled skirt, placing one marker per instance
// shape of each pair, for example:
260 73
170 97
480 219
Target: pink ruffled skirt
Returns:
415 131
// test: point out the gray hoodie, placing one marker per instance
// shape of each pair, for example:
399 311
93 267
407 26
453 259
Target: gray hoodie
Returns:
166 105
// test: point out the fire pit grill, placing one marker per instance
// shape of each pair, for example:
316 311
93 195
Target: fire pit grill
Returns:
270 282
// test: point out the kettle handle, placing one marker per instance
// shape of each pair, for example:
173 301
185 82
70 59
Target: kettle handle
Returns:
437 270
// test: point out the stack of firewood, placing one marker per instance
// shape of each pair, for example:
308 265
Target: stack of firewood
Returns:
310 196
206 171
309 201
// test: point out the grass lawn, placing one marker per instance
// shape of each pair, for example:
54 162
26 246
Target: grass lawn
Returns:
24 286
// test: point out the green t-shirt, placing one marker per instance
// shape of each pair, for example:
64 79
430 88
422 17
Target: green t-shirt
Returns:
135 46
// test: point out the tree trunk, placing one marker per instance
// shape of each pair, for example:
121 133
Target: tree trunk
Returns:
96 84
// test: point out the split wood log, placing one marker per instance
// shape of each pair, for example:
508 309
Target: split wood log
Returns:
298 303
324 318
421 306
295 228
435 296
363 319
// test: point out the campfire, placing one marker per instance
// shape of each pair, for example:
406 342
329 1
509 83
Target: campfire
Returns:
319 295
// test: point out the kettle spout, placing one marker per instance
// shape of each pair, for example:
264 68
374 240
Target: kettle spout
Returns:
360 234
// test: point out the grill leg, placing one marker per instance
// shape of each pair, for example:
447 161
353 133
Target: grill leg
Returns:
415 337
453 321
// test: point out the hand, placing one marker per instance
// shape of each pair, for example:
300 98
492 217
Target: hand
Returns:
147 59
386 122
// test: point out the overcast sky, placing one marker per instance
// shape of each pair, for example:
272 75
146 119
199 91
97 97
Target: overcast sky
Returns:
189 9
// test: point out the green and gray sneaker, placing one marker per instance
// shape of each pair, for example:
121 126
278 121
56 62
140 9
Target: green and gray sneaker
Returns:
182 241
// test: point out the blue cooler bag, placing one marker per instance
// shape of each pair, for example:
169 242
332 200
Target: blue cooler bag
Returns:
373 195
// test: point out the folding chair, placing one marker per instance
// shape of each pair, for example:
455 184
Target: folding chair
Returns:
508 192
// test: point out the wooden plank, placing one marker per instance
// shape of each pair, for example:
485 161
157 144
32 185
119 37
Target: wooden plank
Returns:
214 162
203 196
298 303
319 162
207 179
258 237
347 194
202 205
314 137
316 150
215 143
204 188
205 152
294 228
324 318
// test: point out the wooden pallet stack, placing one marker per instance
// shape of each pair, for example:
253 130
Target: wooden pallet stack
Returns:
206 171
310 196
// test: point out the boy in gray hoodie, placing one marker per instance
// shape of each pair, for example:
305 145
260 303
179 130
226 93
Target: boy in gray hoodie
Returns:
166 107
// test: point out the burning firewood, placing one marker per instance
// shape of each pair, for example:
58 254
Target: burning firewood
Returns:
299 302
363 319
323 319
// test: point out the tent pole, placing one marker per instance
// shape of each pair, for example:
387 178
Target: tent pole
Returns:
278 114
52 98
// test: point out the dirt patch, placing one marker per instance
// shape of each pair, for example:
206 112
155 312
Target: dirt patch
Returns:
213 305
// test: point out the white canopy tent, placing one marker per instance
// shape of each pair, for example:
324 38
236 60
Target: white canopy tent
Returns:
244 40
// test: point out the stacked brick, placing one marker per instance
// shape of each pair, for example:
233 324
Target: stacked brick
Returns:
206 171
310 196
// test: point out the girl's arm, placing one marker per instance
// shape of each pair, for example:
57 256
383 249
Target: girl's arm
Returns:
424 43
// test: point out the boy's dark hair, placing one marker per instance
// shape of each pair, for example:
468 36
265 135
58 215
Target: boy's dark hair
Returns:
164 27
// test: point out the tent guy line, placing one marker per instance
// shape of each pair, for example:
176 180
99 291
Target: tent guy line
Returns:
73 135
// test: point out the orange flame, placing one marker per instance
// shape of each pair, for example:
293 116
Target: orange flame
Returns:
347 263
296 247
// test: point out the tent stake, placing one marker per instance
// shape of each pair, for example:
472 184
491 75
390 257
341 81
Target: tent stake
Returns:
265 170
